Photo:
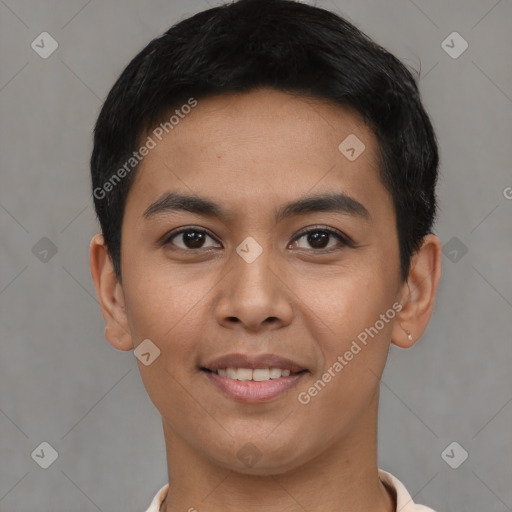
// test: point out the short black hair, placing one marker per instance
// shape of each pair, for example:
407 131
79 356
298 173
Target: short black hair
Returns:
291 47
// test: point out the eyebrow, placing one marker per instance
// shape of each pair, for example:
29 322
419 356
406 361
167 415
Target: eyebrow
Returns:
339 203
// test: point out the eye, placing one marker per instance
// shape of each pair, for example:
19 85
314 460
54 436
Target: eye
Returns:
319 238
190 238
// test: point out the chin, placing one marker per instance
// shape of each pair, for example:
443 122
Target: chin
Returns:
250 460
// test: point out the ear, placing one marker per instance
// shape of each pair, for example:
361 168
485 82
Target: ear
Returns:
418 293
110 295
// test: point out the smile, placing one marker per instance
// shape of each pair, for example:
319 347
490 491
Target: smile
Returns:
258 374
253 385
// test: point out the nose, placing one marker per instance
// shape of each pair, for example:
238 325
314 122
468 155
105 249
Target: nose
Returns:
254 294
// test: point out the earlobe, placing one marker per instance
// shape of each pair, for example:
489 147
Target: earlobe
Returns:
110 295
418 293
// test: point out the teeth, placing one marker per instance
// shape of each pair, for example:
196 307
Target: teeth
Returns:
244 374
231 373
275 373
261 374
258 375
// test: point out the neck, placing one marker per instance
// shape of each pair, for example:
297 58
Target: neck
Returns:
343 476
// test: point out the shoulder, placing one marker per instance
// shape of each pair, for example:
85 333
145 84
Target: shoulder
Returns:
403 498
154 506
404 502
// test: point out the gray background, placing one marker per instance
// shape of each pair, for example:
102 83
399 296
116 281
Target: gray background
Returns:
60 380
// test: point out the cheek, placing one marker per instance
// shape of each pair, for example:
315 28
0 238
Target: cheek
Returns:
348 300
352 317
167 312
340 391
163 303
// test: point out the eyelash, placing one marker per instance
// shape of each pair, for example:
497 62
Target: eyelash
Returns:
342 239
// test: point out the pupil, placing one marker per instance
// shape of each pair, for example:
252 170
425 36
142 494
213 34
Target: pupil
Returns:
194 239
318 239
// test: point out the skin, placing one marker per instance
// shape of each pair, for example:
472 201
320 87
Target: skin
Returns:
251 153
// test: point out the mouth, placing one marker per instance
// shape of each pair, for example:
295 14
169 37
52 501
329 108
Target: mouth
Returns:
254 375
253 386
253 379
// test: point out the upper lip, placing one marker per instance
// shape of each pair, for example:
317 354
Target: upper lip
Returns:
253 361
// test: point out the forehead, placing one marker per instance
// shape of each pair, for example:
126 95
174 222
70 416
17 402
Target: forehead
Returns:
256 148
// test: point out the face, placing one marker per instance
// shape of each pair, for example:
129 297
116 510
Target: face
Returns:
240 273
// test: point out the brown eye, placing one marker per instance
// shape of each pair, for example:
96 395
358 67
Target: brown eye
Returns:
320 239
190 238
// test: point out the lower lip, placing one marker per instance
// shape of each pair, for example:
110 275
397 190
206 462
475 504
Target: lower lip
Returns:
251 391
